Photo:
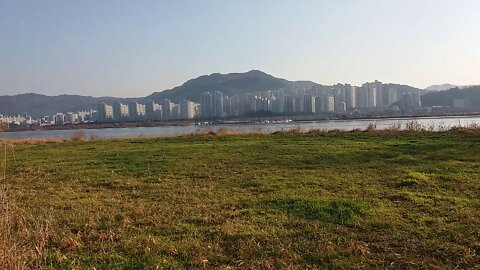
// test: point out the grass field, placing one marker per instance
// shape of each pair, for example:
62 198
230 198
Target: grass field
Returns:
389 200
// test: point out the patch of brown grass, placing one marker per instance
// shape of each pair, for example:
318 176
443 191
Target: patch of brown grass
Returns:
31 141
201 132
317 131
414 126
257 132
227 131
291 131
475 127
372 127
78 135
218 132
23 240
396 127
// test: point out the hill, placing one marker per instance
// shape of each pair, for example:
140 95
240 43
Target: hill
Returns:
401 87
441 87
229 84
471 95
39 105
446 86
253 81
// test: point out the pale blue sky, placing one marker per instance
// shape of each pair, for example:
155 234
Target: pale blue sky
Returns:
132 48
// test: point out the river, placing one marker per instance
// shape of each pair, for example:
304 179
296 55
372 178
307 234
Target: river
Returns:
437 123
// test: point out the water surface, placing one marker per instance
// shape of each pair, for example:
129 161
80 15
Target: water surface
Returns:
436 123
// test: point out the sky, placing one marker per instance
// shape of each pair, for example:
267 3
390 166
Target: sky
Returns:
133 48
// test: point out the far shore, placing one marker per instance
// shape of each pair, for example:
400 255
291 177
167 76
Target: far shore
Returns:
243 120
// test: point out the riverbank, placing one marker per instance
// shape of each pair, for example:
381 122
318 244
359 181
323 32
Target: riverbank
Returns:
430 123
369 127
100 126
243 120
344 200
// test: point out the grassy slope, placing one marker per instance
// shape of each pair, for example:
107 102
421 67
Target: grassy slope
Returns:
408 200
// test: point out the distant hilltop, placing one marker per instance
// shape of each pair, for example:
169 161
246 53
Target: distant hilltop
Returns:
441 87
446 86
254 81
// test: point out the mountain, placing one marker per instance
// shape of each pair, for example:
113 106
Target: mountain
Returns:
229 84
446 86
441 87
470 95
400 87
39 105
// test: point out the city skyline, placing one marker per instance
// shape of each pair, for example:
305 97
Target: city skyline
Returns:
340 100
132 49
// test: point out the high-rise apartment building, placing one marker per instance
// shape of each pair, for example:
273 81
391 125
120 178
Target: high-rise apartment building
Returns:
309 104
133 111
206 105
167 109
104 112
410 101
218 104
187 109
350 97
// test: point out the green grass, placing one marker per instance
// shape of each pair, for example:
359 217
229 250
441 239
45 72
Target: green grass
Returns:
338 212
400 200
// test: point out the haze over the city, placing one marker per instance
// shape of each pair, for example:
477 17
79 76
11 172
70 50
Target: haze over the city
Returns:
132 48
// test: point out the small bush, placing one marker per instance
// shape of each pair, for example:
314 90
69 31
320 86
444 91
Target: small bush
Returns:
396 127
414 126
78 136
372 127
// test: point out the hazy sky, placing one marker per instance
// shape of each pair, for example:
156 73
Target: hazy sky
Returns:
132 48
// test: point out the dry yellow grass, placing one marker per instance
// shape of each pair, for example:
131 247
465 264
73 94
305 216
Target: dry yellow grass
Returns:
412 126
23 239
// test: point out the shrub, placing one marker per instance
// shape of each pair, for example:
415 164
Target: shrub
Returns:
396 127
372 127
78 135
414 126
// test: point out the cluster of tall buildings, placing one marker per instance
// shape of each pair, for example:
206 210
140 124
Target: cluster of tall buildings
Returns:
55 119
149 110
339 98
373 97
69 118
17 119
